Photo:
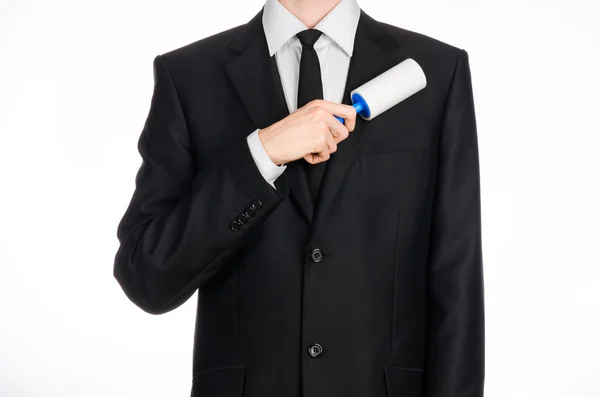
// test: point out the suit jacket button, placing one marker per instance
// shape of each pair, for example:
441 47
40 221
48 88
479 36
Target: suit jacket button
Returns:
242 218
315 350
256 204
235 226
249 211
316 255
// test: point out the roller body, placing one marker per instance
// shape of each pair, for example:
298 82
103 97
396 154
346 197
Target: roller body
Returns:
388 89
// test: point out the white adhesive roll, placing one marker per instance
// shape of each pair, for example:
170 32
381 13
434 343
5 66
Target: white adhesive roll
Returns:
392 87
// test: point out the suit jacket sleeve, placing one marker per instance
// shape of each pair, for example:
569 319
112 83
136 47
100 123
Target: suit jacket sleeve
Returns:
454 364
175 234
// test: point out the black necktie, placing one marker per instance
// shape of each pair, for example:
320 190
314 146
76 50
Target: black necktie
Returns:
310 87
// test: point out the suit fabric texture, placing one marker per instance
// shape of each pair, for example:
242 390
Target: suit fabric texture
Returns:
375 291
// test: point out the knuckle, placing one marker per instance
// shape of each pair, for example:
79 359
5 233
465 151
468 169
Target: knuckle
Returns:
320 142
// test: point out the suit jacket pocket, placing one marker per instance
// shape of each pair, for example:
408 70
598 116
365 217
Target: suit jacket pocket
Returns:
382 161
403 381
219 382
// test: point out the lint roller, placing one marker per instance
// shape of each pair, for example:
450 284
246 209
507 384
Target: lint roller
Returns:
388 89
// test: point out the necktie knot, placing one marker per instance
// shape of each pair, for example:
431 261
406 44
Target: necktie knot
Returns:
309 37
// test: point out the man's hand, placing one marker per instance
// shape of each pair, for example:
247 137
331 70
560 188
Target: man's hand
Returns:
311 132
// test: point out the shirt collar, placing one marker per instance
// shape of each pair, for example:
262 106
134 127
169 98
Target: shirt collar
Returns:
339 24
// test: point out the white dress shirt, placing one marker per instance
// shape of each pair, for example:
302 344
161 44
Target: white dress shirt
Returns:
334 49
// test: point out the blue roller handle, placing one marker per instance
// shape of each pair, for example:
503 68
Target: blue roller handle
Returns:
358 103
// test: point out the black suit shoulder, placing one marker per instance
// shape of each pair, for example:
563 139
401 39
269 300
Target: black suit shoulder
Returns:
203 57
209 45
421 42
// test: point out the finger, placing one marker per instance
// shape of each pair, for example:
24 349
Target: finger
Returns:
347 112
309 158
337 130
321 152
319 157
331 142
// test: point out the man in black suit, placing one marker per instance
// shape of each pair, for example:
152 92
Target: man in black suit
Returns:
330 259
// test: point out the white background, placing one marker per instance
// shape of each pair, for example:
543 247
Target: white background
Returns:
75 87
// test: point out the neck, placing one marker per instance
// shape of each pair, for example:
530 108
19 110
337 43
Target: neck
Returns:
310 12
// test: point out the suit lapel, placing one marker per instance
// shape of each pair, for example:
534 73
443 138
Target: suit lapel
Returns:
257 82
256 79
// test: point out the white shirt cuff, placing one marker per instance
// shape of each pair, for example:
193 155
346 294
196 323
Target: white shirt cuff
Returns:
269 170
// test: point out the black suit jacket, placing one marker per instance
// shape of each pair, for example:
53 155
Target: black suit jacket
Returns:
385 273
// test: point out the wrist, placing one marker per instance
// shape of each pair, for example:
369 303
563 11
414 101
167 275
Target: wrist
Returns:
265 142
